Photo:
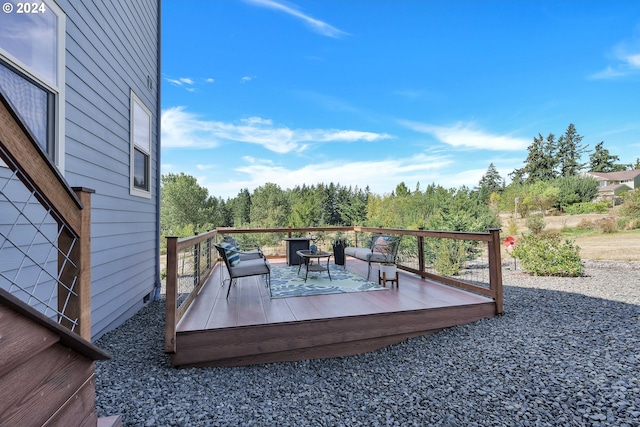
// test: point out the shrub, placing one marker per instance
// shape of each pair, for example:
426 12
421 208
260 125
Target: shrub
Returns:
607 225
632 224
587 207
535 223
450 256
586 224
631 206
512 227
546 254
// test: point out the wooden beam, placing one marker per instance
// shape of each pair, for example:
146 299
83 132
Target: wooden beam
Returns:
421 263
495 268
74 263
83 287
22 152
171 295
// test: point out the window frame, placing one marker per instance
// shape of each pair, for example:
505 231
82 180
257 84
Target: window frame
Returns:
57 90
133 189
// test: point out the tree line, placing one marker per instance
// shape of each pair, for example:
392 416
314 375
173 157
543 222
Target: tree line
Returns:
550 178
186 207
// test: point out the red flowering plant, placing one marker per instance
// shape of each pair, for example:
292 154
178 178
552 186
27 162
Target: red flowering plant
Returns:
510 244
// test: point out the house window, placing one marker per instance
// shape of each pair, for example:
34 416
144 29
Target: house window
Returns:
32 70
33 104
140 148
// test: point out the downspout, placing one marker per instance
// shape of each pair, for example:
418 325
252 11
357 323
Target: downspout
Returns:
158 288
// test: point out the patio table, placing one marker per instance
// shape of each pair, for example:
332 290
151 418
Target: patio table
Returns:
307 257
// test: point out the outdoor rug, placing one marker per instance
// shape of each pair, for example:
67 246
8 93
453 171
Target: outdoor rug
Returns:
287 282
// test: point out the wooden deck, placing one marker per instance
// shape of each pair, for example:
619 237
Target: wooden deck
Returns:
251 328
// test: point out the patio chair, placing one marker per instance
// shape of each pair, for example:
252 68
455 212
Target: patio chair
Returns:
245 254
245 268
229 242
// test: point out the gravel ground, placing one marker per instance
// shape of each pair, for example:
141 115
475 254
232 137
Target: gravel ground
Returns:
565 353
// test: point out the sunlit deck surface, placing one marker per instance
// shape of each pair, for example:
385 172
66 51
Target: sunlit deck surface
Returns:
251 328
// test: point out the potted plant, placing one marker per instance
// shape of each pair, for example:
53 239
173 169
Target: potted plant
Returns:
339 243
389 269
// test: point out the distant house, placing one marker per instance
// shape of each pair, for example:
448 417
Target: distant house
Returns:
612 185
84 79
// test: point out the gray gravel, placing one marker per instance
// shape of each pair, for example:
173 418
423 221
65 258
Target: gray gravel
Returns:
565 353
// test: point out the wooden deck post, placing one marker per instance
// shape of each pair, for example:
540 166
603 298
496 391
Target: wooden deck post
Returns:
84 277
421 252
495 268
172 295
196 264
74 300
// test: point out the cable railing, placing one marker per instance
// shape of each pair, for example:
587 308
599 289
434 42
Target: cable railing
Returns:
44 231
189 263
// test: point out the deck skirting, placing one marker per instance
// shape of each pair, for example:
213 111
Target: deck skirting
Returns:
318 338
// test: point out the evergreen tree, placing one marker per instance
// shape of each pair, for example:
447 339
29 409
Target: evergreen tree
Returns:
517 176
492 180
305 211
601 161
570 152
402 190
240 208
329 196
226 214
352 206
541 161
575 189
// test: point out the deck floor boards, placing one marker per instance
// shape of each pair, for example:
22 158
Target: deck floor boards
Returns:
249 302
251 327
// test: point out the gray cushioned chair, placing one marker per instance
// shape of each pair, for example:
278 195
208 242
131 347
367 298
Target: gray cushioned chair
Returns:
245 268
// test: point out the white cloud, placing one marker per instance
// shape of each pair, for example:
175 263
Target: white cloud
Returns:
187 83
183 129
381 176
607 73
180 81
247 79
465 135
316 25
204 167
626 57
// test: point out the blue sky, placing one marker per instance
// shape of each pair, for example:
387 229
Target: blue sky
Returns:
381 92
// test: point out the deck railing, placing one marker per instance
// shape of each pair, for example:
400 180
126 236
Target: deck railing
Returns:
44 231
470 261
190 261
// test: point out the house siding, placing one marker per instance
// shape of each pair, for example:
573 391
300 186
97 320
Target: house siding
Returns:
111 50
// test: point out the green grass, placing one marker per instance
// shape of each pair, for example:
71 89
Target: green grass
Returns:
575 232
